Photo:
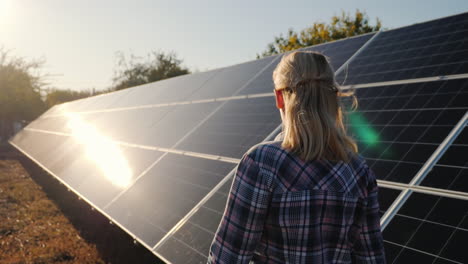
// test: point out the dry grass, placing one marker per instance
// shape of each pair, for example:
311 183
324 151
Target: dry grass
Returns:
32 228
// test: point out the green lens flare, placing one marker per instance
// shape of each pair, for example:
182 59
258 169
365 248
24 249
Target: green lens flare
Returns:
363 129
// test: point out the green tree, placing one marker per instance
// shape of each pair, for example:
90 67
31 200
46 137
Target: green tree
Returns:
20 84
136 71
58 96
340 27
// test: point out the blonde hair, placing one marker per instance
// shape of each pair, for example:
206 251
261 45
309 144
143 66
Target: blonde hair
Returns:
313 119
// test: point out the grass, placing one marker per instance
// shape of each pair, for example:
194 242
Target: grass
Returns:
32 228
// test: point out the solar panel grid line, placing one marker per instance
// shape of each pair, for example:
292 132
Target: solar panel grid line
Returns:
403 161
425 55
48 132
451 170
405 142
88 102
410 120
423 189
327 44
160 149
452 166
407 81
442 230
441 150
182 221
423 252
416 49
432 222
421 36
413 109
190 132
70 188
403 197
409 69
416 231
260 95
207 196
442 34
219 99
206 156
235 97
451 236
354 86
424 22
182 152
122 92
395 138
357 53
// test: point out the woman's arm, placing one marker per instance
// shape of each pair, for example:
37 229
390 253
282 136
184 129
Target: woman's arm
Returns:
242 224
369 247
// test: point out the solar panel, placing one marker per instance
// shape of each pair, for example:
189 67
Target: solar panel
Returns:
171 147
236 127
341 51
428 229
177 183
434 48
338 51
451 172
398 127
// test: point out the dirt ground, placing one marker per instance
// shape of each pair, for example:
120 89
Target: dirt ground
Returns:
32 228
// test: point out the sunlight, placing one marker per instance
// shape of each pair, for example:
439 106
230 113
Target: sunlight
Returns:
101 150
6 9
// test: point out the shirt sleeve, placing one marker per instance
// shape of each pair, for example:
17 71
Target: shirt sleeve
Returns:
242 224
369 246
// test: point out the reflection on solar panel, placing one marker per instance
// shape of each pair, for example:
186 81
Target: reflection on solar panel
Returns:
158 159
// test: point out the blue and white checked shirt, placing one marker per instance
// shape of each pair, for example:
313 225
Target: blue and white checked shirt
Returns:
284 210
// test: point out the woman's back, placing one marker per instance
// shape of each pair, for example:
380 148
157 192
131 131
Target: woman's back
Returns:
309 197
284 210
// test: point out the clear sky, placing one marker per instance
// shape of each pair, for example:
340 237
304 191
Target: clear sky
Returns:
78 39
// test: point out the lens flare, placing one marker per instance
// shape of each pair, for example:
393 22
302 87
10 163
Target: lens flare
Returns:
102 151
363 129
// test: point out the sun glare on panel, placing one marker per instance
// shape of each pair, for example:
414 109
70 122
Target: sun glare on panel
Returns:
102 151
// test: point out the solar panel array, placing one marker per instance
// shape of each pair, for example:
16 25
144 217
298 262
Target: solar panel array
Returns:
158 159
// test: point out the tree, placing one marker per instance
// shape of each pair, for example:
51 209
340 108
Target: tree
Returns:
58 96
20 99
136 71
340 27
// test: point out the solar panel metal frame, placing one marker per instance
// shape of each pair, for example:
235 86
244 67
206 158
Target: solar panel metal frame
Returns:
419 177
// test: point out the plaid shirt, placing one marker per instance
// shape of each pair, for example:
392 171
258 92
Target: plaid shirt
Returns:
284 210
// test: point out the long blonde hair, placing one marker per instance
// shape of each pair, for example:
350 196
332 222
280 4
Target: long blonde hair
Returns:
313 118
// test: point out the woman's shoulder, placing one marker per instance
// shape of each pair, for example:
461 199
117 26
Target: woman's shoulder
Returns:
266 153
272 151
266 147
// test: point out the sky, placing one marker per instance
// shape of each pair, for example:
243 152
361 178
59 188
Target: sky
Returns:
78 40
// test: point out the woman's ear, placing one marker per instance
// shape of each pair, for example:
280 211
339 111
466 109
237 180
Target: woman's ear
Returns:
279 99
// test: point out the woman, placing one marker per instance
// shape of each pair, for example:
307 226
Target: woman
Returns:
308 198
